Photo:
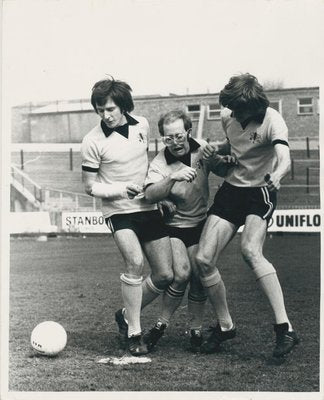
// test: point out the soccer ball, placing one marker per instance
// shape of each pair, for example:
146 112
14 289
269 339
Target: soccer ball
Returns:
48 338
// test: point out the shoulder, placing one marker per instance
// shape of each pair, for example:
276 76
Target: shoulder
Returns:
272 113
159 159
94 135
225 113
273 119
202 143
141 120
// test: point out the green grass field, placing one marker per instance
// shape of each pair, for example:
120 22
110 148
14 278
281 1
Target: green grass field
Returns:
75 281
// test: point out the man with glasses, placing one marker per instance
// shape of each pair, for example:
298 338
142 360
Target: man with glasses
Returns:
178 176
258 137
114 167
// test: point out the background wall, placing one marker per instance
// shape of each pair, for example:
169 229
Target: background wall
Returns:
68 122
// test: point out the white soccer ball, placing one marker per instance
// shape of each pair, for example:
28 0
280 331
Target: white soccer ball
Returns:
48 338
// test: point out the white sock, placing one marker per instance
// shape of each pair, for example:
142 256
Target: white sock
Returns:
132 295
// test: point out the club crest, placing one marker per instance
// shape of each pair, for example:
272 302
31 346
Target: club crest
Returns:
255 137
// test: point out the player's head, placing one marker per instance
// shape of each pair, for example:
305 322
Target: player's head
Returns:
244 96
175 128
118 91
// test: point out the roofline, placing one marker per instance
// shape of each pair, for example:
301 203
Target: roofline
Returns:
158 97
217 93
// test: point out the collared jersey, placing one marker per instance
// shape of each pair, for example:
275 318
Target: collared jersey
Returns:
253 146
191 199
116 158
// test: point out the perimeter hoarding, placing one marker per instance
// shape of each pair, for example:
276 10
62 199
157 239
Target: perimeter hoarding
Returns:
282 221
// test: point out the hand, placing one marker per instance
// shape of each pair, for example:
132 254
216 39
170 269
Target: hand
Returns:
187 174
273 182
230 160
133 190
208 151
167 208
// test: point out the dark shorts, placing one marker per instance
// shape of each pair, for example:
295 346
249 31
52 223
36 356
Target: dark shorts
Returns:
189 236
148 225
235 203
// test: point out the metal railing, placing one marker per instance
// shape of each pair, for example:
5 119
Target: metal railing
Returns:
55 199
51 199
27 186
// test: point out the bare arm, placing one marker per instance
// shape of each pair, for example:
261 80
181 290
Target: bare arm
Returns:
282 167
160 190
220 165
113 191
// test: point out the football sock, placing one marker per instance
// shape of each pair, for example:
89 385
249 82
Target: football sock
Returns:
150 291
270 285
216 292
196 308
131 289
170 302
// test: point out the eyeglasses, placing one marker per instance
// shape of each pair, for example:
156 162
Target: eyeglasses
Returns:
177 137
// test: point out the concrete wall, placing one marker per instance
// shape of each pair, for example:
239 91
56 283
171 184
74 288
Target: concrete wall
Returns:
31 124
61 127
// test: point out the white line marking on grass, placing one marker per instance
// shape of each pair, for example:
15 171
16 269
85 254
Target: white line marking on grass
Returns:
124 360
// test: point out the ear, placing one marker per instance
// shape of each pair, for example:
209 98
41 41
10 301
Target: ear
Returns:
189 133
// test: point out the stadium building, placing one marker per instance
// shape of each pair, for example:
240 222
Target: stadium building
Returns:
46 162
69 121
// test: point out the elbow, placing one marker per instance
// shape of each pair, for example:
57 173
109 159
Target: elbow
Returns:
149 197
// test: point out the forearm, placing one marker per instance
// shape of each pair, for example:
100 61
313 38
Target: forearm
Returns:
159 190
282 168
223 148
218 167
110 191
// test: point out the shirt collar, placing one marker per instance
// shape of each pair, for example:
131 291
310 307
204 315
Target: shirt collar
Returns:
122 130
186 159
256 118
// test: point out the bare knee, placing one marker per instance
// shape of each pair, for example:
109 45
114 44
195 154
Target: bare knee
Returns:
135 266
162 279
251 255
203 264
181 275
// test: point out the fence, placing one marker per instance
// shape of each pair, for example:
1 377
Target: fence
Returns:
64 200
25 185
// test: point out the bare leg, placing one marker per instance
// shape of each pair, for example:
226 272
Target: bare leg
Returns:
131 280
197 295
159 255
252 241
216 234
174 293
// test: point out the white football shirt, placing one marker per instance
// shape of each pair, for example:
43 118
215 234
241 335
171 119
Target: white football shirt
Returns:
253 146
116 158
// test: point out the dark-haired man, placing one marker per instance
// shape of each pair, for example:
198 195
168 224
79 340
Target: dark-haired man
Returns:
258 137
114 167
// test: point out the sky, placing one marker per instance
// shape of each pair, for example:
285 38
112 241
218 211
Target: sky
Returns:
57 49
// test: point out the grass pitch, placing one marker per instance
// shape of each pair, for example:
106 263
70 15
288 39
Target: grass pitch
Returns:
75 281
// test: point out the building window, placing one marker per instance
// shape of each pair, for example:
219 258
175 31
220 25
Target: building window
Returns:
194 111
305 106
213 111
318 106
276 104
